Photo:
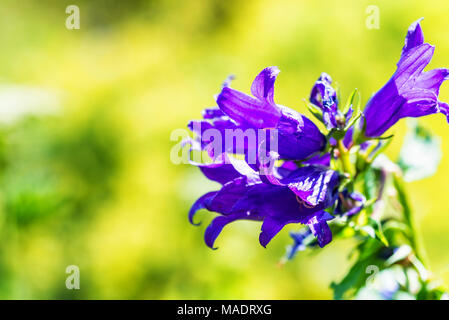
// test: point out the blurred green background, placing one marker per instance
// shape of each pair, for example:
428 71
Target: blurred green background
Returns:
85 123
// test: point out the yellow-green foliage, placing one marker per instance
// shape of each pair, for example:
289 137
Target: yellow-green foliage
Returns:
92 184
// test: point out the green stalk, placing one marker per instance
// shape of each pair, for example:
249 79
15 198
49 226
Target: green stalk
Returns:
415 241
344 157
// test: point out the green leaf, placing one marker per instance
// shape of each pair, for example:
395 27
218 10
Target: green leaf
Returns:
357 276
380 147
359 133
350 102
377 226
420 154
370 185
314 111
407 213
401 253
353 121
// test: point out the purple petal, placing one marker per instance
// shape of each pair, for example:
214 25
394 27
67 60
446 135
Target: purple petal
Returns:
221 134
238 200
357 197
298 136
382 110
415 36
322 90
444 109
208 130
225 199
315 185
349 203
320 229
298 242
242 168
201 203
347 140
270 228
354 211
220 173
248 110
263 86
323 160
325 97
419 103
213 112
432 80
221 170
390 103
349 113
215 228
226 168
286 168
412 64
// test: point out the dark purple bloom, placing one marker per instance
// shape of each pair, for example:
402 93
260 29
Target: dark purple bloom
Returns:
317 228
313 184
299 197
410 92
296 136
299 239
349 204
302 240
324 96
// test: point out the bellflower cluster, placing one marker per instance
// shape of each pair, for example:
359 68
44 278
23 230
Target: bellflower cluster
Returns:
276 166
300 194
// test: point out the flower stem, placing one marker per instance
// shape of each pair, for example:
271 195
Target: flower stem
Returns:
415 240
344 157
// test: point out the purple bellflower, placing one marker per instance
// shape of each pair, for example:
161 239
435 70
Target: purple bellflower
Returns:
297 137
324 96
300 196
410 92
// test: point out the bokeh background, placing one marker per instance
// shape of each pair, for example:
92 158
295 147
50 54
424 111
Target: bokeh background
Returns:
85 122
